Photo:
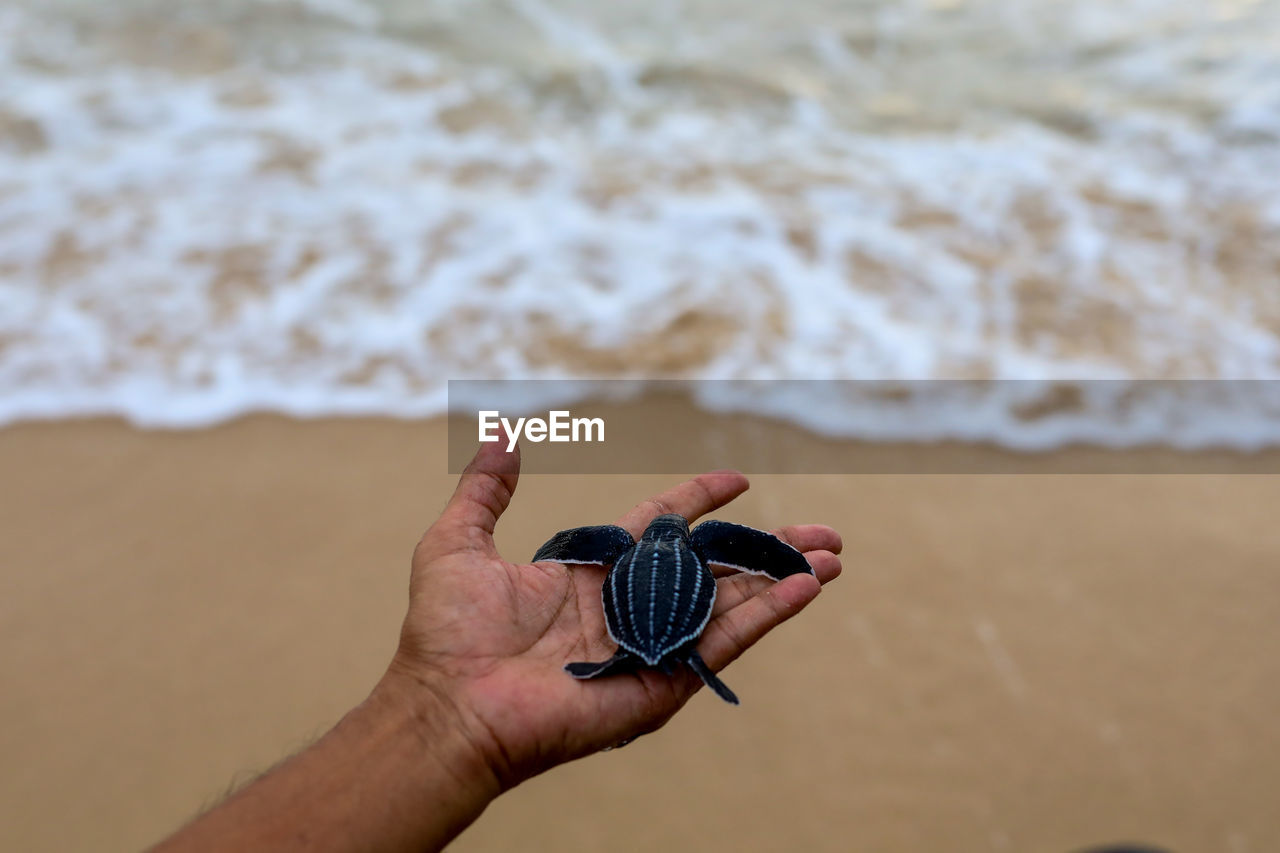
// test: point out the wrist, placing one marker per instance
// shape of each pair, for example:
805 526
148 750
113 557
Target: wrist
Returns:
441 729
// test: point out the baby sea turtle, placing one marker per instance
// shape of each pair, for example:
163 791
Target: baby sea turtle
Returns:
659 591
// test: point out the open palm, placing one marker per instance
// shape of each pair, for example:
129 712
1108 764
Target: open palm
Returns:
495 635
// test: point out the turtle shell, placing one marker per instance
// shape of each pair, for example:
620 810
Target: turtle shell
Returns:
658 595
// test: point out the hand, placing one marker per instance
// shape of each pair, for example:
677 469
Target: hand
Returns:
486 639
476 699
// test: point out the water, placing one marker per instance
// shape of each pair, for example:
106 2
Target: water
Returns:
331 207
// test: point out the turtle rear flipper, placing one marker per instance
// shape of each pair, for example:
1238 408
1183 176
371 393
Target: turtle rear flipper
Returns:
601 544
620 662
698 665
747 549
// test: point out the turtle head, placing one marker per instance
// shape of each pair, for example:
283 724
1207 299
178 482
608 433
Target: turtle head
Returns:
667 525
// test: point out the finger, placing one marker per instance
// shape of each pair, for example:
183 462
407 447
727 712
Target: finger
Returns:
810 537
484 492
737 630
737 588
692 498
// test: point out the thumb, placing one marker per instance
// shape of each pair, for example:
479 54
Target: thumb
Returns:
483 494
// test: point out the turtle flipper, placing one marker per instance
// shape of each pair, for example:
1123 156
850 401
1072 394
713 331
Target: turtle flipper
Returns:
747 549
620 662
602 544
698 665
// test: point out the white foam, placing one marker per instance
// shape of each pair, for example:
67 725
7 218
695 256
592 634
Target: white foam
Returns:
199 223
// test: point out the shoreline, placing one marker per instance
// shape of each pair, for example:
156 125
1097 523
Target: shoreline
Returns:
754 444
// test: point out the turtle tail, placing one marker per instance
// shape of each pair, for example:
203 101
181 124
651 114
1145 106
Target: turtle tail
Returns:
698 665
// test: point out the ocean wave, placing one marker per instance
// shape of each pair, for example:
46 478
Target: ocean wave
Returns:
331 208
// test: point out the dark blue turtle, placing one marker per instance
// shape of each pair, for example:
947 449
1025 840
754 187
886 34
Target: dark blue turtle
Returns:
659 591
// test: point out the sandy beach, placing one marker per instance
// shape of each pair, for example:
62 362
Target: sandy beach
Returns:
217 218
1031 662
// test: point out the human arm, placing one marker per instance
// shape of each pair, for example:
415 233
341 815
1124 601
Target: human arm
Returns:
475 699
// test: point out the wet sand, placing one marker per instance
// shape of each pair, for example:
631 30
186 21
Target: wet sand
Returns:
1021 662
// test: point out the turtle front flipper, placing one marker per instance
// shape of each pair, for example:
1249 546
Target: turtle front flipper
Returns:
620 662
698 665
747 549
602 544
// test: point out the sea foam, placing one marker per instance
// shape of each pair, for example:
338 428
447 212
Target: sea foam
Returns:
331 208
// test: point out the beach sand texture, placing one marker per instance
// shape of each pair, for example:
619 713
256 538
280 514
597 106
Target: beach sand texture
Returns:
1009 662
